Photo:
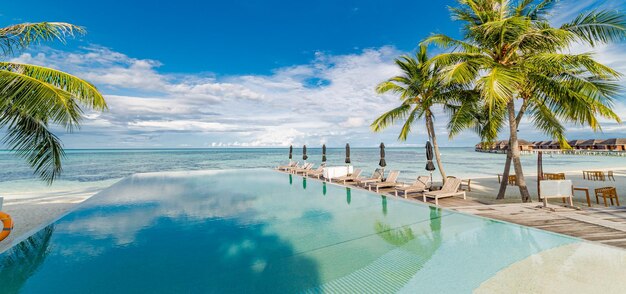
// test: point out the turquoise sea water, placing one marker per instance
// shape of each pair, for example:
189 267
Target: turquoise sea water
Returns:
92 166
256 230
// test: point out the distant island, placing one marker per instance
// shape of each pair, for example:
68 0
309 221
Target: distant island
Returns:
591 146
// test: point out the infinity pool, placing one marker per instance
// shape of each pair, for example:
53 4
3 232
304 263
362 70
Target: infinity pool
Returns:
242 231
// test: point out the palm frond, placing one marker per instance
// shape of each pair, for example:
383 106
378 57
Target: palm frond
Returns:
20 36
79 89
38 99
598 26
390 117
30 138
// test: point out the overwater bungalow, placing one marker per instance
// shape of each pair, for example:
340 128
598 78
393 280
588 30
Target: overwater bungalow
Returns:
614 144
592 144
503 145
545 145
575 144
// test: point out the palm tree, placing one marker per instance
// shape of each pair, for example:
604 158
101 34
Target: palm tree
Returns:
419 87
511 53
32 98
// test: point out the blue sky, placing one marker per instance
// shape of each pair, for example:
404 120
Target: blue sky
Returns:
252 73
241 37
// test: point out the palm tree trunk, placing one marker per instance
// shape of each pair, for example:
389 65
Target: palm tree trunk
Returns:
431 131
505 174
515 153
507 165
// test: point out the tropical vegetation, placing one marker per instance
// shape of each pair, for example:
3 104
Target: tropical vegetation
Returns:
522 67
34 98
419 87
511 53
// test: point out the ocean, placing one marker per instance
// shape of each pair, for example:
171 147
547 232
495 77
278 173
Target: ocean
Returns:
100 168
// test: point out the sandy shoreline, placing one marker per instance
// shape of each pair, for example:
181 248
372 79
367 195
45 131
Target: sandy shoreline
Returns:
33 209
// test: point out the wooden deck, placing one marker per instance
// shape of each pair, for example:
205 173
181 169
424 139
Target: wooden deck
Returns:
604 225
598 224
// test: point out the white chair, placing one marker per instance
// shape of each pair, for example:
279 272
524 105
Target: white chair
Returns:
556 189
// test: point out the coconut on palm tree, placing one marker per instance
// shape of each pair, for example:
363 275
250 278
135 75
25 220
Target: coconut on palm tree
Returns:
512 54
34 98
419 88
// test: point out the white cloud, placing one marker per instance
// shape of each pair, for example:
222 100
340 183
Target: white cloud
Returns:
329 100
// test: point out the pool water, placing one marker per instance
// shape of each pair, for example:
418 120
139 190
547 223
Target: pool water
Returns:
256 230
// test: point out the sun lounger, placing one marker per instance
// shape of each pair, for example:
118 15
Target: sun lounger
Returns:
304 168
349 178
449 189
289 166
377 176
420 185
315 173
390 181
291 169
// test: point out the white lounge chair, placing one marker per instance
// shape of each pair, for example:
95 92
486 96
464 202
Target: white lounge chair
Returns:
287 167
317 172
421 185
449 189
349 178
390 181
306 167
377 176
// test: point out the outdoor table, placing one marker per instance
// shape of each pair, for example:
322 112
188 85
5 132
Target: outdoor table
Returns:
336 171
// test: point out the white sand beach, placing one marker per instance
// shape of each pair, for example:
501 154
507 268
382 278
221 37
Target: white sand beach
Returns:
485 189
41 205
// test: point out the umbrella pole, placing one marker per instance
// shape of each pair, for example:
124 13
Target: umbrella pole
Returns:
431 180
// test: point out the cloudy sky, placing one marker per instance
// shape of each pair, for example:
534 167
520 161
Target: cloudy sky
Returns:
253 73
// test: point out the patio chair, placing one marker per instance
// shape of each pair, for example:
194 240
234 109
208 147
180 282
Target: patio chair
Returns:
610 175
607 192
449 189
390 181
421 184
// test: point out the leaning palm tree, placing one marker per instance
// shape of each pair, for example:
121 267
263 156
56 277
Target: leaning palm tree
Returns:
419 88
511 53
32 98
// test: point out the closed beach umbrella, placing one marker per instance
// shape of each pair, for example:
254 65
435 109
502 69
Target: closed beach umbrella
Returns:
348 153
429 160
324 153
304 156
290 152
382 163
